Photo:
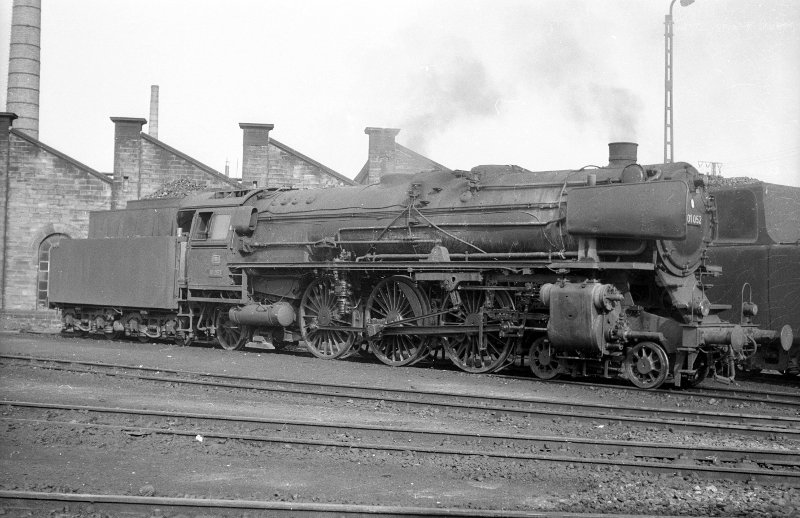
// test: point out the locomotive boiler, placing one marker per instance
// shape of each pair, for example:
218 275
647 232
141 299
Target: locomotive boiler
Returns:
599 270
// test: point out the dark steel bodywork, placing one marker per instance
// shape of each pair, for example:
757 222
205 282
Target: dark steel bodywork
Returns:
758 248
119 272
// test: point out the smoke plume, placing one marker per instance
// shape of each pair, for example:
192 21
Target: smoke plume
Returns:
453 89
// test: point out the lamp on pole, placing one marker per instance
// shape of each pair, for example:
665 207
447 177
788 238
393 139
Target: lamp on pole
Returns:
669 150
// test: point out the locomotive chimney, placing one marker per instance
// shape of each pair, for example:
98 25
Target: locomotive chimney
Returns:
152 127
621 154
23 65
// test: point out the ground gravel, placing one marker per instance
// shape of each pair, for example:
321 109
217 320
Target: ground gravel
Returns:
72 458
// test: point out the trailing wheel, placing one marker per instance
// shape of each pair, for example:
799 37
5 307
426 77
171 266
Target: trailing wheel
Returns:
397 299
183 334
702 367
646 365
469 351
318 309
542 359
230 335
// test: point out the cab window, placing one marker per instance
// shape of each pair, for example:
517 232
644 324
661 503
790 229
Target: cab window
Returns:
185 222
212 227
738 216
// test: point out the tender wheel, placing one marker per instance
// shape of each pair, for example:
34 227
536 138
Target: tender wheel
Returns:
318 308
394 299
542 359
111 335
134 323
69 320
230 335
647 365
465 351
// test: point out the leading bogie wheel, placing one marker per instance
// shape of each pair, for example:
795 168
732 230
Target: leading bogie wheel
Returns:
542 359
230 335
396 299
646 365
466 351
318 309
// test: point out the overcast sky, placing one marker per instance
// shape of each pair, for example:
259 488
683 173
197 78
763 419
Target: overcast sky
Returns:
544 84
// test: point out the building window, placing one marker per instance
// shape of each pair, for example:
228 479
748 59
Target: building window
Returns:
44 268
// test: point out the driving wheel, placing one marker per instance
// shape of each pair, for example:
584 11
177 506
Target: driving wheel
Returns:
397 299
318 308
469 352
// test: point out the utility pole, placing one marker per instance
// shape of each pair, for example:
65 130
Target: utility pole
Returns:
669 149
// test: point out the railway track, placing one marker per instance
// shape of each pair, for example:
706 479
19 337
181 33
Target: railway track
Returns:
781 398
680 418
712 463
33 503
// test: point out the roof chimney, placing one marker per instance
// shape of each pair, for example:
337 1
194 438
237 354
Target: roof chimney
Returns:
255 155
152 128
24 65
621 154
382 153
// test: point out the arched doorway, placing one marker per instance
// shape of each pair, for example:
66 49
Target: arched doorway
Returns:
43 276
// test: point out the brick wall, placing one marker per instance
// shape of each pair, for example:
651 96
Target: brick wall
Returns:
267 162
411 162
143 164
385 156
50 193
42 321
6 119
290 168
161 163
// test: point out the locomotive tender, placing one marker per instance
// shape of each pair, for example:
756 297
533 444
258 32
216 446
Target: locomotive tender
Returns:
758 247
600 270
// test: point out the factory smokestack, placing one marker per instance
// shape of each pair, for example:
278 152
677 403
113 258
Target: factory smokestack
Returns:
24 64
152 128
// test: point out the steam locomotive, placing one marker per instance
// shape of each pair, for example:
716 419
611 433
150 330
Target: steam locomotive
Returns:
594 271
